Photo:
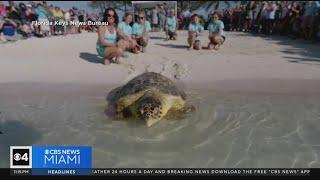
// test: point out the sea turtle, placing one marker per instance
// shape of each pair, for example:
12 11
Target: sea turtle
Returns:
150 97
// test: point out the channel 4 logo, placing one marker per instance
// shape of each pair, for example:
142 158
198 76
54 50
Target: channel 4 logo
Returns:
47 160
21 157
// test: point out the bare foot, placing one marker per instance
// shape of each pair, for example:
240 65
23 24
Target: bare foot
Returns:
210 46
107 62
117 60
135 51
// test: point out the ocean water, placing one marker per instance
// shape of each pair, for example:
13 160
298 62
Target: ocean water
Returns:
228 129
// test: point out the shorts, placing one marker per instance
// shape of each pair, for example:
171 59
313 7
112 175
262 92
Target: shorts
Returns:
101 50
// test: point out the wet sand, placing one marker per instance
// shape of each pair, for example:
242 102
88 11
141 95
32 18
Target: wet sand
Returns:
229 129
257 100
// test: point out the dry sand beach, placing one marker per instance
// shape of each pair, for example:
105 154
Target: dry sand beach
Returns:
73 59
257 99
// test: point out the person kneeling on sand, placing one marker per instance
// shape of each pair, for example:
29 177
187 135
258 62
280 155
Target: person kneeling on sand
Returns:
171 26
216 33
108 45
8 30
125 30
195 29
140 31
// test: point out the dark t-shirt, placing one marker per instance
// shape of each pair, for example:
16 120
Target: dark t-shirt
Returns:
13 13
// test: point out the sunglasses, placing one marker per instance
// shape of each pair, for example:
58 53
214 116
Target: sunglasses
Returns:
109 15
141 17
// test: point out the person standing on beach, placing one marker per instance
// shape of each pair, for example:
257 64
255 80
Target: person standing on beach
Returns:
154 18
58 17
108 38
140 30
162 17
249 13
67 17
171 26
216 32
308 18
126 30
270 14
195 30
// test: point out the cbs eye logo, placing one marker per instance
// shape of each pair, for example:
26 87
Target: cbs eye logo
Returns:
20 157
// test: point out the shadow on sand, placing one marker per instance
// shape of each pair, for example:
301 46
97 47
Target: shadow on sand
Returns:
309 51
93 58
15 133
173 46
156 37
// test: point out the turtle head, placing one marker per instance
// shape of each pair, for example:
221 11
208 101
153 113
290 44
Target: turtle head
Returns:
150 109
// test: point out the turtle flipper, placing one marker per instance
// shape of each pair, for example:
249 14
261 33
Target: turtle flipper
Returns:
119 116
189 109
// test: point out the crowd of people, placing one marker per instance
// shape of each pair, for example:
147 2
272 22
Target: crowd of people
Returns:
17 20
296 19
131 33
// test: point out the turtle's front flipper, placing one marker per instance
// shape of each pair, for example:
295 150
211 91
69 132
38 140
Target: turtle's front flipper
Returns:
119 116
179 113
189 108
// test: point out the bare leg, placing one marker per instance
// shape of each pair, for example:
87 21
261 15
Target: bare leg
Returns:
218 41
124 45
133 46
113 53
143 42
167 33
191 40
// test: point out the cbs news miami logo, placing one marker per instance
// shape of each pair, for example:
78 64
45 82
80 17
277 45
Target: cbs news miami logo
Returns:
45 159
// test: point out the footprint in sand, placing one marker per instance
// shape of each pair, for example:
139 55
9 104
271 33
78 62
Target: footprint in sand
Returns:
128 66
180 71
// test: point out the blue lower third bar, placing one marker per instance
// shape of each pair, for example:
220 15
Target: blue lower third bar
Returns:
61 172
61 160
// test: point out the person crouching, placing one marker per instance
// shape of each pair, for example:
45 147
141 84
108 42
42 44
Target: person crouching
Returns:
171 26
195 29
140 30
108 45
125 30
216 32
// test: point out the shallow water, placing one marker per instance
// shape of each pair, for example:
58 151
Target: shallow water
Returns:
227 130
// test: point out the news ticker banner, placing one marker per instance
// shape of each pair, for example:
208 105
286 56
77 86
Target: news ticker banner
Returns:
164 172
77 160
